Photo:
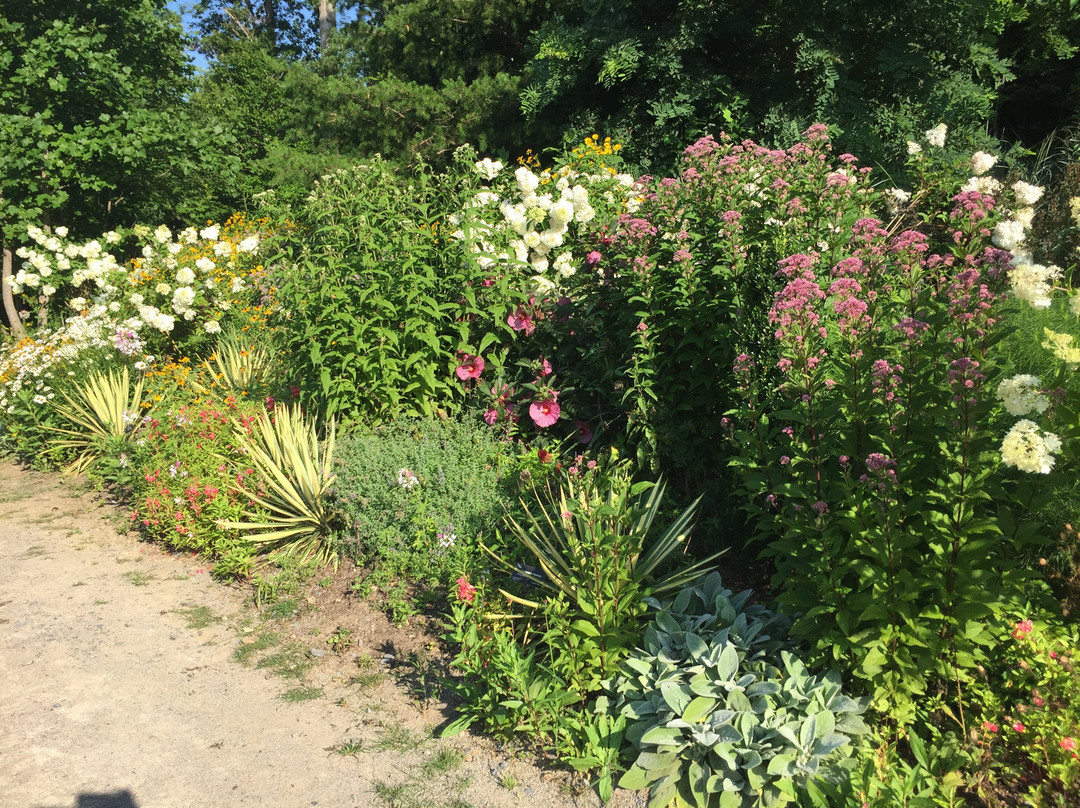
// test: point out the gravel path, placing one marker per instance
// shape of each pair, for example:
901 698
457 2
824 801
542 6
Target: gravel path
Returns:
108 698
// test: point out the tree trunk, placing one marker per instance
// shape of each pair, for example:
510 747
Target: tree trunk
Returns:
14 323
327 23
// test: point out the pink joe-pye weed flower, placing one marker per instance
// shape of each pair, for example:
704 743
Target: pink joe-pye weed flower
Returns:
470 368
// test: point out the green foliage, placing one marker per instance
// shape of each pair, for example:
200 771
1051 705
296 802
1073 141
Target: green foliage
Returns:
92 121
417 496
661 74
537 674
721 713
295 515
376 313
103 412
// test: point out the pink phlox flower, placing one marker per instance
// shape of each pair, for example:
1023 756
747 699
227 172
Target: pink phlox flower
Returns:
465 590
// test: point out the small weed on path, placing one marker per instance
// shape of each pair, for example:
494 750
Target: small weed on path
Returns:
298 694
351 747
397 738
35 552
198 617
244 653
139 578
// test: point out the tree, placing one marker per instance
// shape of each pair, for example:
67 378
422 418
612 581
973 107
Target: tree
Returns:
88 95
660 73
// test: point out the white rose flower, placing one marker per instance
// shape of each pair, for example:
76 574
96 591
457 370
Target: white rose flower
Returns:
163 288
223 249
183 298
248 245
487 168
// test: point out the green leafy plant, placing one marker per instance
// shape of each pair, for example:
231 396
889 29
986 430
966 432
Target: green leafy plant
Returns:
536 674
722 714
104 412
294 466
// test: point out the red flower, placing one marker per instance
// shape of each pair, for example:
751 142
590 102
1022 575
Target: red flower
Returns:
1068 744
990 726
544 413
1018 727
465 590
544 455
1023 628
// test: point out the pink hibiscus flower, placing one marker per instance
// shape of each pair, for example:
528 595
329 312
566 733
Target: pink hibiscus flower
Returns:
520 321
470 368
544 413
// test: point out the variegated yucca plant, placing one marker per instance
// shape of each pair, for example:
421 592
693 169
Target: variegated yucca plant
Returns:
238 365
294 516
105 409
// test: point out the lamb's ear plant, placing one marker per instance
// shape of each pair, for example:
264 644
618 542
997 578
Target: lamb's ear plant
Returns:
296 517
720 713
104 411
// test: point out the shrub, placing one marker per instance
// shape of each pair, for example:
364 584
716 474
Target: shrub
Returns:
721 713
191 477
418 495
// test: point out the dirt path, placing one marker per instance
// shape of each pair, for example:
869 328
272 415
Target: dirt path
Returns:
120 686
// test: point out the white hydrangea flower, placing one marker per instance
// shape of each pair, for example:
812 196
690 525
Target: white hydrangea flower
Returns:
1025 216
1026 194
183 298
981 162
936 136
1029 449
147 252
175 247
136 298
185 277
896 199
62 231
188 235
248 245
237 285
210 233
204 264
527 182
1022 395
223 249
212 327
77 303
1033 283
913 148
1008 234
112 237
162 234
163 288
